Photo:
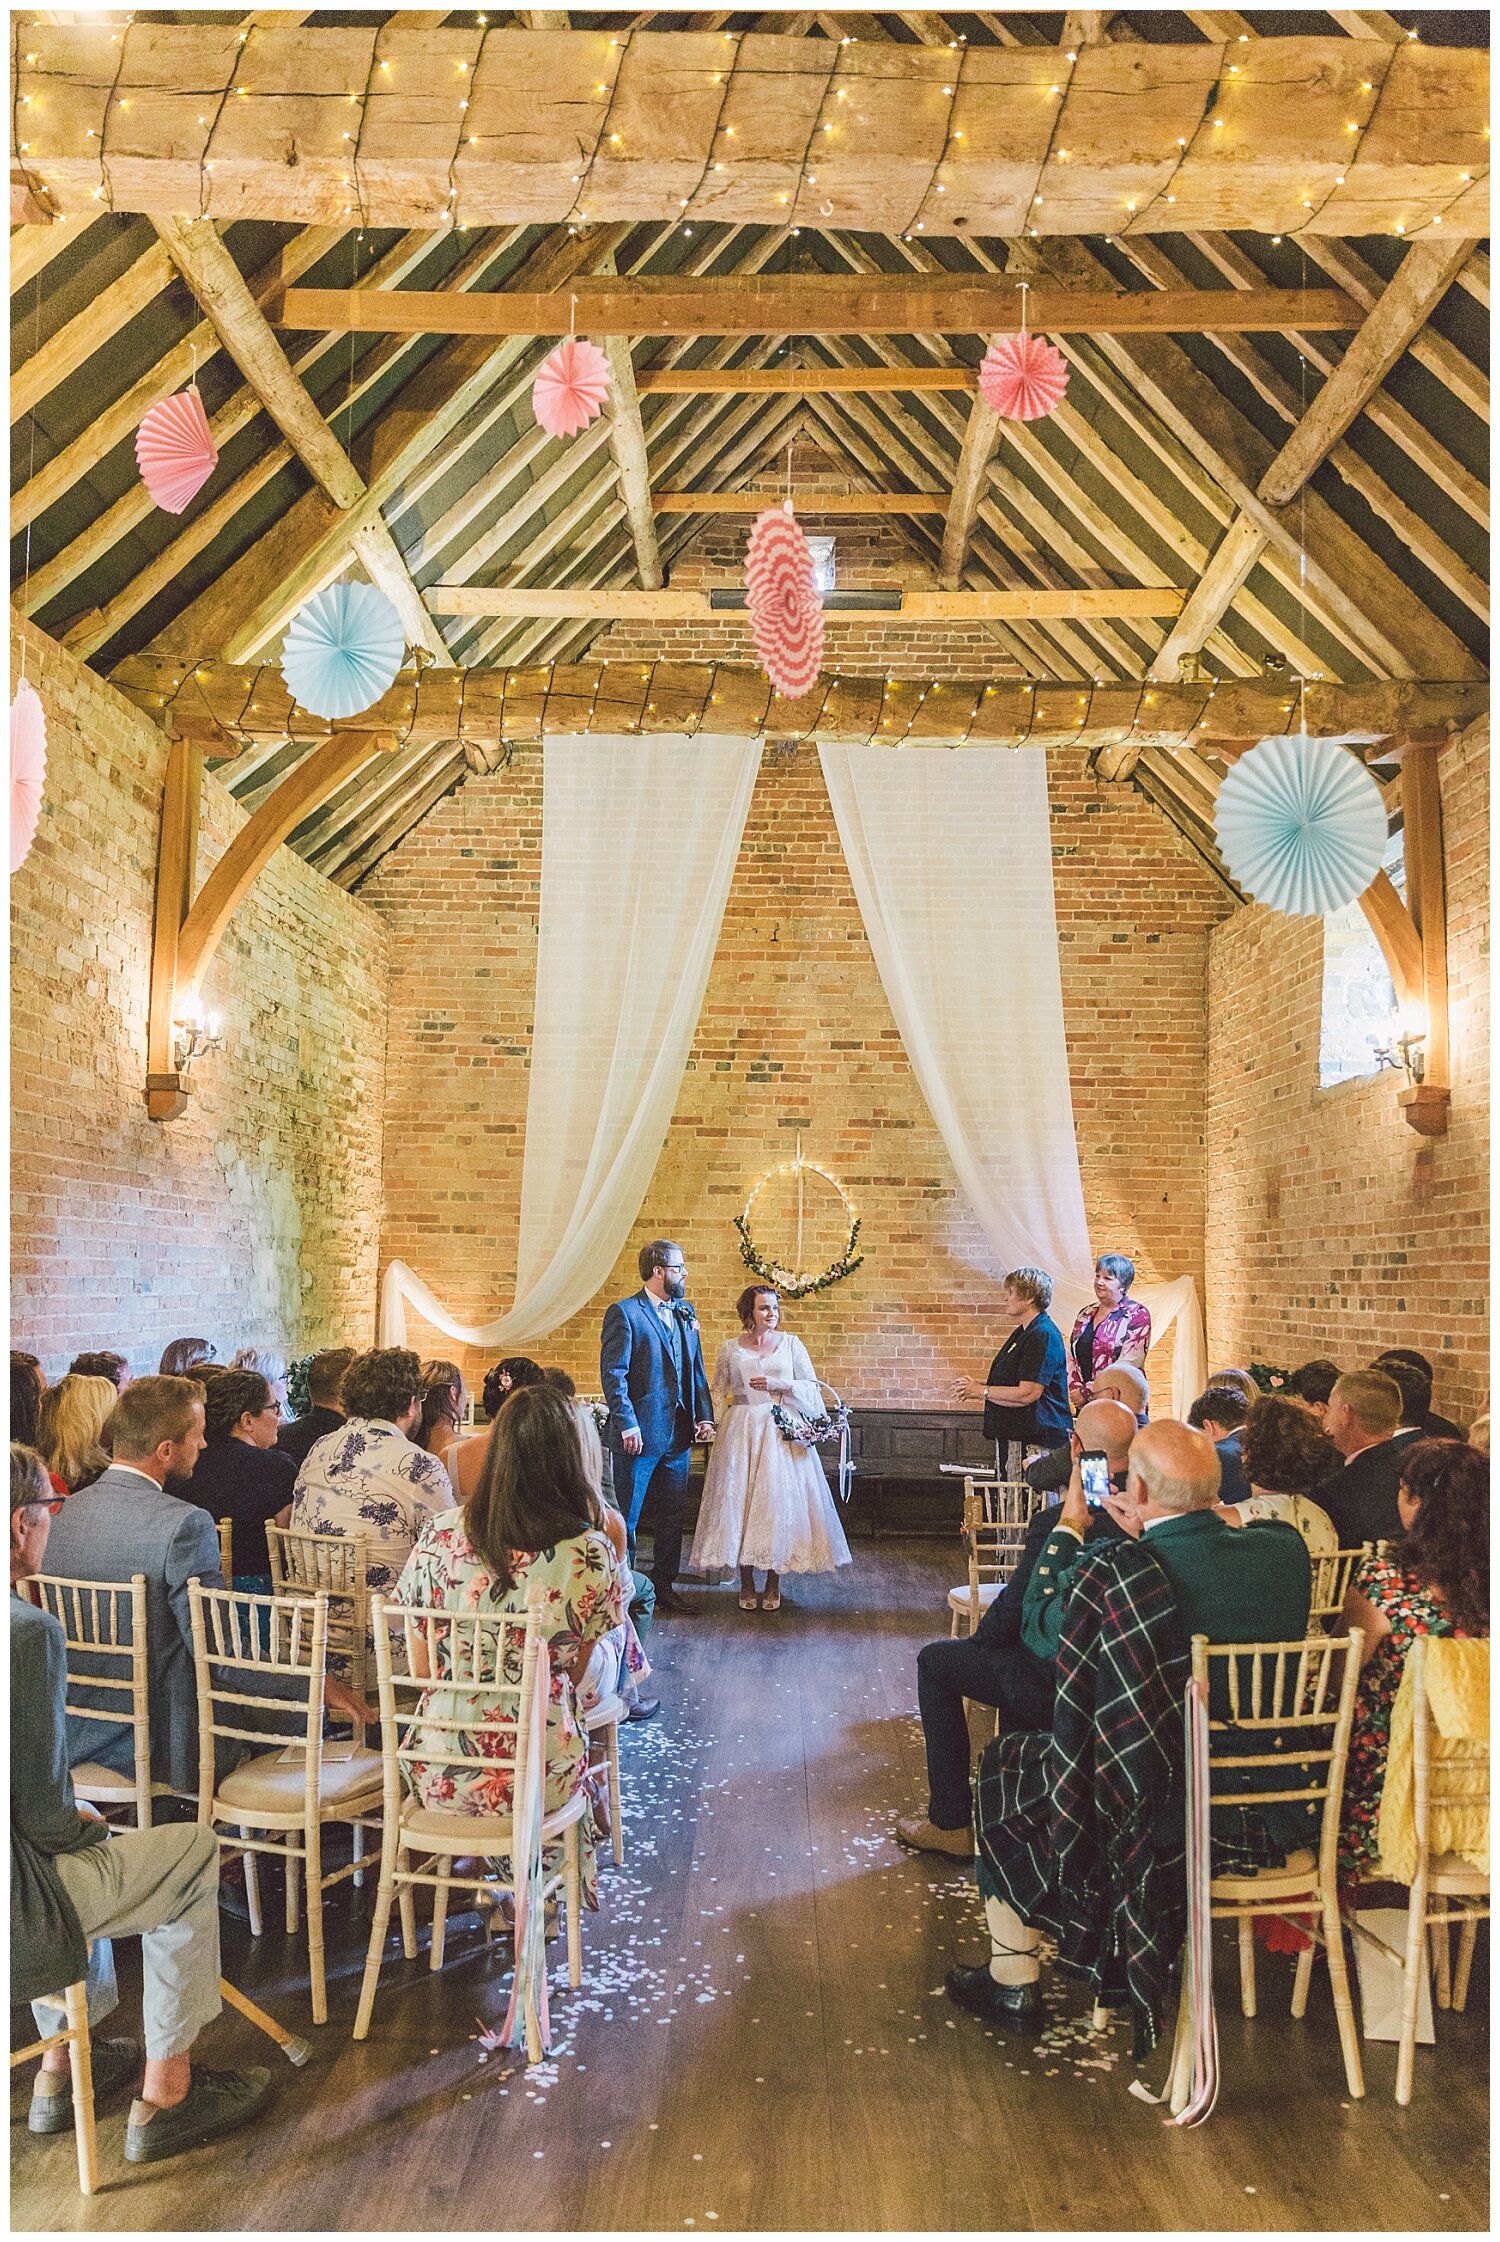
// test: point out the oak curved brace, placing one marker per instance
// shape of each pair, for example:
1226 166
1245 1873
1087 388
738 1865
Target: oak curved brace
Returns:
1395 930
252 848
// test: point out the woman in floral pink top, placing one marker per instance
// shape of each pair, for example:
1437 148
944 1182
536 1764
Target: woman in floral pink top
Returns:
1115 1329
529 1521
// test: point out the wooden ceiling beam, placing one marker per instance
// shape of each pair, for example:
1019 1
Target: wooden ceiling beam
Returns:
912 605
798 381
1423 278
663 127
627 442
1239 549
88 331
814 304
981 435
812 502
33 249
217 702
195 247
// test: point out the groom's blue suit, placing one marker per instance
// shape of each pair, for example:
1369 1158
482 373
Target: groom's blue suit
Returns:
655 1384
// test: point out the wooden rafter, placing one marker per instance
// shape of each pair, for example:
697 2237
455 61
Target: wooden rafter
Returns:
198 252
981 434
627 441
1214 593
815 304
560 121
905 607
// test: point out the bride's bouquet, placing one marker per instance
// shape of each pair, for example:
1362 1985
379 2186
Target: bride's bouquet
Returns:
809 1432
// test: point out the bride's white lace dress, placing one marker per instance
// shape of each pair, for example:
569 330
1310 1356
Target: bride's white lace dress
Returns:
765 1500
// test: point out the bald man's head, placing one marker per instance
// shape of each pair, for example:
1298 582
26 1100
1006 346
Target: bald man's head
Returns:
1173 1468
1110 1426
1122 1382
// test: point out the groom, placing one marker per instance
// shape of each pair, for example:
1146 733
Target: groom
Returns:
651 1370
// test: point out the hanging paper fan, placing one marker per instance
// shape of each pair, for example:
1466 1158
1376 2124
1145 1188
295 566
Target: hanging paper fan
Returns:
1301 825
570 388
28 768
175 450
343 649
786 614
1022 377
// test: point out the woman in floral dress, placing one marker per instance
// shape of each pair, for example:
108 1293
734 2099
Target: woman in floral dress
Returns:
529 1522
1434 1581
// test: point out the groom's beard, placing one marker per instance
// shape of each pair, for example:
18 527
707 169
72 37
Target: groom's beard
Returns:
674 1287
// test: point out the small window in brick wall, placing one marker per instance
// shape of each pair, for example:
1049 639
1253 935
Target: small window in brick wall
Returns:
1359 998
824 577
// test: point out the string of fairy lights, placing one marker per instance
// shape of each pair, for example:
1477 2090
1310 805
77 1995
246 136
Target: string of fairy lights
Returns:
835 128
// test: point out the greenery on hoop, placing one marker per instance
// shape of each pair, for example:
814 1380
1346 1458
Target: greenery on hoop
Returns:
795 1284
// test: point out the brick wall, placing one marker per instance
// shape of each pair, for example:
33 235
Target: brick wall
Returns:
1332 1227
795 1033
254 1219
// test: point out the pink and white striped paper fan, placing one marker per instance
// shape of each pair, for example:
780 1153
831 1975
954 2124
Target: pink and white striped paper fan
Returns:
786 614
175 450
28 769
1022 377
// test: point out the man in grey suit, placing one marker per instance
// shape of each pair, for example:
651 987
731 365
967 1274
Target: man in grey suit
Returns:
132 1521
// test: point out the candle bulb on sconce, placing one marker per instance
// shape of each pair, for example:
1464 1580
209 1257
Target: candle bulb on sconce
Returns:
193 1034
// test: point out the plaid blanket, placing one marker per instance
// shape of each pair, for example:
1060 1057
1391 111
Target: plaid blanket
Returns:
1075 1828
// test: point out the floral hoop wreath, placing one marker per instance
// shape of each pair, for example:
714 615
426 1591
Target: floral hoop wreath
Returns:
796 1284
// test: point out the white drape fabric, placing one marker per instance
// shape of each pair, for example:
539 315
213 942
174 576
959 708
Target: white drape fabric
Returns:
951 860
639 843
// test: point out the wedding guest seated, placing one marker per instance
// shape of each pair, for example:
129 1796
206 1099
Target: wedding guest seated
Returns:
74 1887
1434 1581
1242 1382
623 1650
1479 1433
1121 1382
242 1475
370 1478
105 1364
1413 1374
1112 1328
181 1357
510 1376
528 1524
1221 1411
324 1412
445 1404
70 1421
1364 1414
1311 1383
992 1666
28 1382
1284 1453
1118 1618
1025 1392
268 1363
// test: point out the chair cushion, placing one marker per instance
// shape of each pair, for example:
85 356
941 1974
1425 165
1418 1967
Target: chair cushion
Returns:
958 1598
275 1785
91 1781
430 1827
609 1712
1452 1875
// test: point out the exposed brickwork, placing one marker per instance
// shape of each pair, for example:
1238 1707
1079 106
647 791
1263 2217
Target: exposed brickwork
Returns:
1332 1227
255 1217
795 1032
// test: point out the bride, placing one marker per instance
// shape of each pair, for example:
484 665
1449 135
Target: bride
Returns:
765 1499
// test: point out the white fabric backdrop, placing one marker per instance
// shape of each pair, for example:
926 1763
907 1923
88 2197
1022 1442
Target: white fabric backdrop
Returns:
951 859
639 842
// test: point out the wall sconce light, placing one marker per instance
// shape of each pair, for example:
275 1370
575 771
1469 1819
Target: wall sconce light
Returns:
193 1035
1405 1050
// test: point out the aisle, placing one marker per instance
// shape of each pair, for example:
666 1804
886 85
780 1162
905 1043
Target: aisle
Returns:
760 2040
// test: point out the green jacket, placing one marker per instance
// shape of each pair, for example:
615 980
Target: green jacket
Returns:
48 1950
1235 1584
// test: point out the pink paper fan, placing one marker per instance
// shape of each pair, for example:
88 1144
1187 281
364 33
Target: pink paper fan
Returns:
175 450
570 388
1023 377
28 768
786 614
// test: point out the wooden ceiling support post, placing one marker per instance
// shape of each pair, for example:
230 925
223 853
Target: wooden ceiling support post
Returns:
188 928
1425 1103
176 856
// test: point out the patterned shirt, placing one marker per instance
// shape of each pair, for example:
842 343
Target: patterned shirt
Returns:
369 1479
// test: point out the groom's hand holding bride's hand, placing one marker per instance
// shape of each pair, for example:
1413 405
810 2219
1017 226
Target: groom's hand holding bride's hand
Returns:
703 1430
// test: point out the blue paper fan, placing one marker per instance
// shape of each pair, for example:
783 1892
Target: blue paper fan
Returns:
343 650
1301 825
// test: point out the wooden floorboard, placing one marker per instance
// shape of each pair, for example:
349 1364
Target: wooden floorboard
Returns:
761 2040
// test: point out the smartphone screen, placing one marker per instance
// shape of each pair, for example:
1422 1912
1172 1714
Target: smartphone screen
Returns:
1093 1469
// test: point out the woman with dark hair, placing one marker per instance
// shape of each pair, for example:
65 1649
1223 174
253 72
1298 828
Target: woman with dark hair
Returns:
181 1357
1311 1383
242 1475
27 1381
528 1524
1434 1581
1284 1454
1115 1329
465 1459
765 1499
445 1404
